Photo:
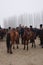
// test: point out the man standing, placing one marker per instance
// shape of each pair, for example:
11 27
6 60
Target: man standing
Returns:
41 35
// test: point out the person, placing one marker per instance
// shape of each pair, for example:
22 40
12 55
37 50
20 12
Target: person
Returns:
20 29
22 32
31 28
41 35
41 27
9 28
34 37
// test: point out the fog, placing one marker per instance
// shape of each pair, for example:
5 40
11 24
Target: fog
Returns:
25 12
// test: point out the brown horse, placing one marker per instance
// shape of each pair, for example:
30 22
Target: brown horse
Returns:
13 37
28 35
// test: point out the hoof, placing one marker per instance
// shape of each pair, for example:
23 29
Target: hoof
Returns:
11 52
13 47
17 47
23 48
32 47
35 46
8 51
27 49
42 46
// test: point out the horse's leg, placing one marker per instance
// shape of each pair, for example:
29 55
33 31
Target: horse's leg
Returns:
24 44
42 43
22 41
11 48
27 45
7 47
17 43
8 42
17 46
34 45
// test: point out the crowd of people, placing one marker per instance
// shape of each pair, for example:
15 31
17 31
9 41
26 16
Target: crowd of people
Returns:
21 33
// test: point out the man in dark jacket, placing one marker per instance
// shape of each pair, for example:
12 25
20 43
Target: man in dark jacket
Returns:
41 35
31 28
22 33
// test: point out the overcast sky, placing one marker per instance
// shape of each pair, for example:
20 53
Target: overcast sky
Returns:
10 8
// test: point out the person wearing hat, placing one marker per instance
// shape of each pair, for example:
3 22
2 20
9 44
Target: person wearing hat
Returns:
31 28
41 35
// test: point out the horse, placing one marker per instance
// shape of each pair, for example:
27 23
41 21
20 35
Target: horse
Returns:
28 35
39 34
12 36
2 33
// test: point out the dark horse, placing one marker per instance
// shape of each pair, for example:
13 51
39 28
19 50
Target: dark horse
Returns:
12 36
28 35
39 33
2 33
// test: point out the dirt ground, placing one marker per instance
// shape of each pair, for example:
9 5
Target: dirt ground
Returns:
34 56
